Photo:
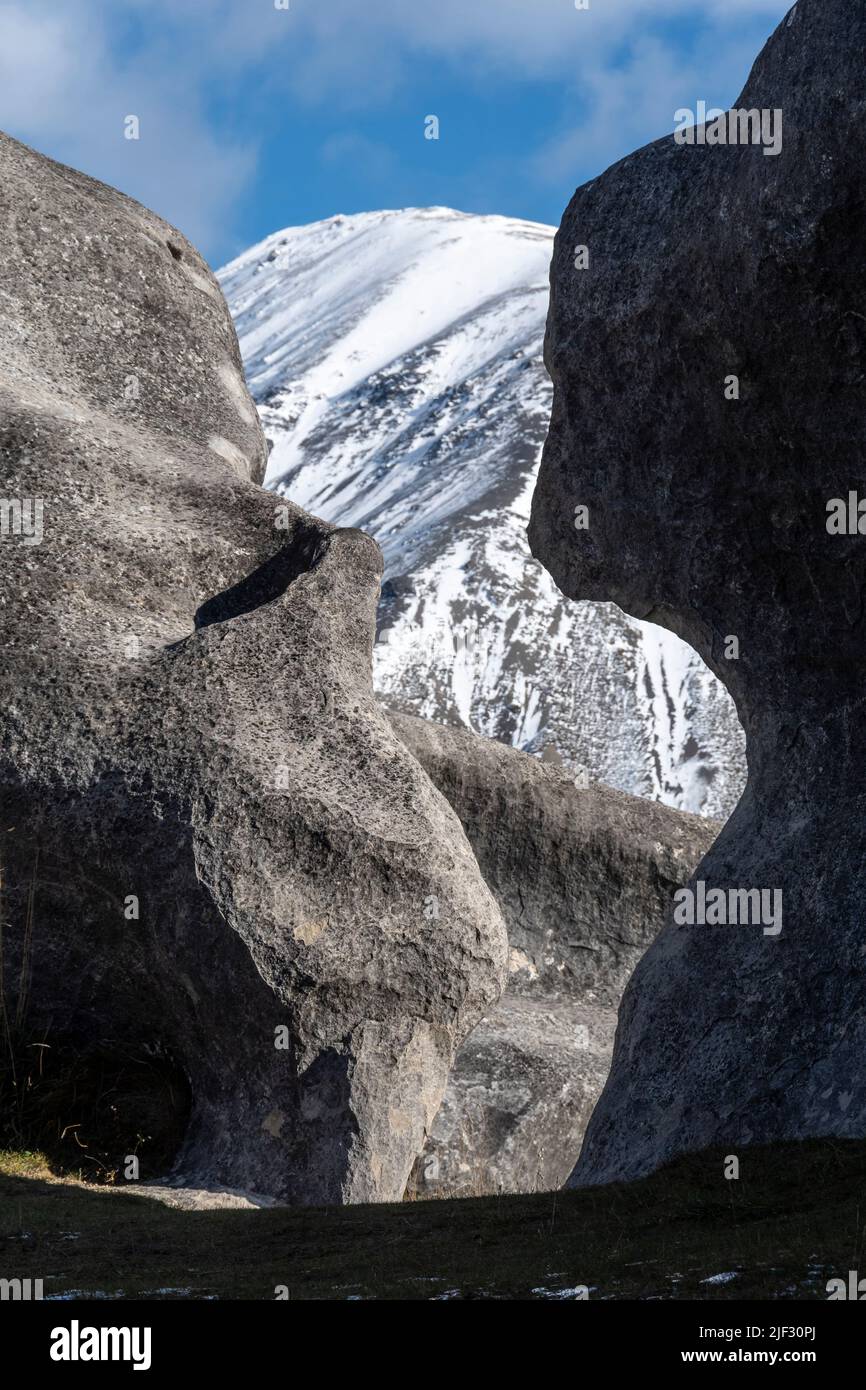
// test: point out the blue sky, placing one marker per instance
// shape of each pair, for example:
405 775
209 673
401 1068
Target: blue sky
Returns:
254 117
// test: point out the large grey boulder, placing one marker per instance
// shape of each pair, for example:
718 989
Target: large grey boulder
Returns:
230 856
708 514
584 876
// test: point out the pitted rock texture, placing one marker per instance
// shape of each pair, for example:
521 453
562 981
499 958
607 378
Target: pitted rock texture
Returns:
583 877
709 515
219 835
520 1094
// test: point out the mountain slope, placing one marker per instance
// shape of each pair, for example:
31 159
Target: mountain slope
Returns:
396 359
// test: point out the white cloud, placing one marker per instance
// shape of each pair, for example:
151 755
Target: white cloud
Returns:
65 88
68 76
634 103
526 38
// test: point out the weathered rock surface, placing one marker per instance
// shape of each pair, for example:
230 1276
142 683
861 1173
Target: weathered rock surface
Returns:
708 515
219 833
583 877
396 358
519 1097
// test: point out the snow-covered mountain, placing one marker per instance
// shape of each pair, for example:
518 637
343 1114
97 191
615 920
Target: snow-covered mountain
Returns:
396 359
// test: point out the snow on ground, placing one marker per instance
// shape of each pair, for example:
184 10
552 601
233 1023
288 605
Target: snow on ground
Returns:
396 359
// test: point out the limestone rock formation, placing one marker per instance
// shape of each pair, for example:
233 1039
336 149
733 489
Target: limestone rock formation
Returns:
228 854
709 371
583 877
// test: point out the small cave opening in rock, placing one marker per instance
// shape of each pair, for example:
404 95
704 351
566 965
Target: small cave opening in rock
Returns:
103 1111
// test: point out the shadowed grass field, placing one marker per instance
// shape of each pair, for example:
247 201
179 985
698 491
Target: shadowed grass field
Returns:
792 1220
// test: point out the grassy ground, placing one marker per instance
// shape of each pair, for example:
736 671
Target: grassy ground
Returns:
794 1219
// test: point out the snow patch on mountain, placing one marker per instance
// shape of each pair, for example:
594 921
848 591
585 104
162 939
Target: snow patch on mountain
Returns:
396 360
